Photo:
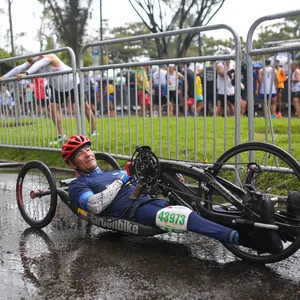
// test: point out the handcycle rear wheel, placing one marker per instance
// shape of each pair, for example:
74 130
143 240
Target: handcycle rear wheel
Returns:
36 194
274 173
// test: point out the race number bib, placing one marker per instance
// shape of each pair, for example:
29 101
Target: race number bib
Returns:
173 218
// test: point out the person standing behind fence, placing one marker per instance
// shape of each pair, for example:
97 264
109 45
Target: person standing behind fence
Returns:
109 92
63 85
281 76
267 84
39 92
199 92
143 90
243 86
160 89
91 93
29 99
188 89
225 87
5 101
295 80
173 85
256 69
210 79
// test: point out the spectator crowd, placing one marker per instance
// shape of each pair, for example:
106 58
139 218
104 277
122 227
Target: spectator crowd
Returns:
182 89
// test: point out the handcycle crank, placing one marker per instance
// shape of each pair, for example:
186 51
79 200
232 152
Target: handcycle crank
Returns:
145 170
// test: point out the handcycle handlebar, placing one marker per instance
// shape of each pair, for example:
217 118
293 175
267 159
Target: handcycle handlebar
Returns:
136 192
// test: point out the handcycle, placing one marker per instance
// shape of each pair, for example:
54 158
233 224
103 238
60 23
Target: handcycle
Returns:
232 192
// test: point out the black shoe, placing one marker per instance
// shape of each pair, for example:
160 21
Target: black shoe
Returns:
292 214
293 203
267 241
263 240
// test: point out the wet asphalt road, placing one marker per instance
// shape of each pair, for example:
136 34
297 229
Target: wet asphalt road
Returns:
71 260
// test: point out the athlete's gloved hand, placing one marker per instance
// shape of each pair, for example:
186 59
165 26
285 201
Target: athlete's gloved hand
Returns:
123 176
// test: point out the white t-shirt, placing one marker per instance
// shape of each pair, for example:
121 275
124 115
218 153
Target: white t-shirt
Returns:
160 77
266 81
172 82
5 97
61 83
295 85
224 86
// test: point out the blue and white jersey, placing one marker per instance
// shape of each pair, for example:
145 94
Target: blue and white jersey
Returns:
96 182
147 214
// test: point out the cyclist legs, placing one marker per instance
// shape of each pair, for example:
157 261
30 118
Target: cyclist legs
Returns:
147 215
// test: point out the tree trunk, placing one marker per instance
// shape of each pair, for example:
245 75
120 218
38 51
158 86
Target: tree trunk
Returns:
11 29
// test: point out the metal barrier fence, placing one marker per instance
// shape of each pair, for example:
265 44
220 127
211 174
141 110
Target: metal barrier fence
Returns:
270 125
36 110
124 105
173 136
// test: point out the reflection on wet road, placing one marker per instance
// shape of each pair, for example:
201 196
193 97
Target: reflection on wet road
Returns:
71 260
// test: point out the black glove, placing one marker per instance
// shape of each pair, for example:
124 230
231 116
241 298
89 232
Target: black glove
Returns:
229 73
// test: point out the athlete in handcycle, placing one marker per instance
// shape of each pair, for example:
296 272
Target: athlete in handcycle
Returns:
246 223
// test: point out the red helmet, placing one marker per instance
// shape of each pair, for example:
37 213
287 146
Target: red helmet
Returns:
72 145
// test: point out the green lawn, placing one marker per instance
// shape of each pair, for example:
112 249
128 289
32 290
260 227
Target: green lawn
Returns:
174 138
178 138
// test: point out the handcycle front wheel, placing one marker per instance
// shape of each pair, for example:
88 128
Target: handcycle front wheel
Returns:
273 173
36 194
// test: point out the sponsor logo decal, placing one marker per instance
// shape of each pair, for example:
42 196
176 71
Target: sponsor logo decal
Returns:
82 214
118 225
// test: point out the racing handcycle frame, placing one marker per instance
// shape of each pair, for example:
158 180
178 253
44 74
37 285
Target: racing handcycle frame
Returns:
158 177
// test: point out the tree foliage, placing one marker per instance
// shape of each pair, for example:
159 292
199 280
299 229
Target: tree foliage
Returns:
210 45
5 67
164 15
69 19
45 34
128 52
287 29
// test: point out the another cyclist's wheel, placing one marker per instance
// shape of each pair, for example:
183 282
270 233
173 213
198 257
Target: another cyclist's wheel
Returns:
36 194
271 173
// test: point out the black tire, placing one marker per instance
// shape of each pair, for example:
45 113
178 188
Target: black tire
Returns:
280 174
36 194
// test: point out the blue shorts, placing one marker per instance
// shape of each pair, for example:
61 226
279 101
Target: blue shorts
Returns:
199 98
262 96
